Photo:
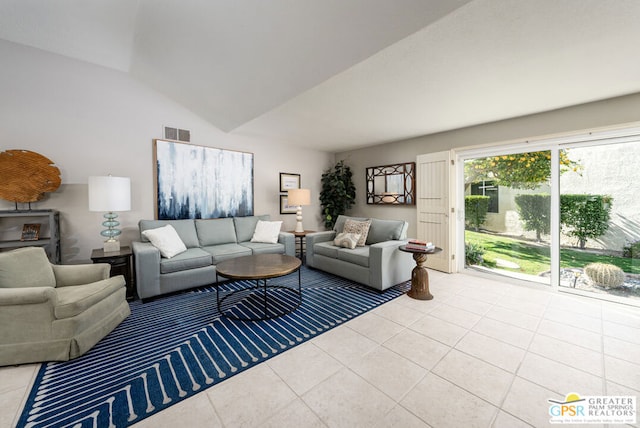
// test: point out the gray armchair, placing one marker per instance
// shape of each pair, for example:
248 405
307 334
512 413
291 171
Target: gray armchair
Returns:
55 312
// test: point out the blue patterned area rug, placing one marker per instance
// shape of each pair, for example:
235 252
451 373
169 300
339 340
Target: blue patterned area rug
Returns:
176 346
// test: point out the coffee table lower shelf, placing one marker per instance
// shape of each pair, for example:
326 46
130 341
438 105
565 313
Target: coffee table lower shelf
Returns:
261 301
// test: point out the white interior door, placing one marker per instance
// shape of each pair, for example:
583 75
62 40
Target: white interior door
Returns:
434 207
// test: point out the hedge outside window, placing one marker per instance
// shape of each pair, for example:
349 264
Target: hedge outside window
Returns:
487 188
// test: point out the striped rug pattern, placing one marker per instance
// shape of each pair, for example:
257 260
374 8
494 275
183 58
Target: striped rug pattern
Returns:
176 346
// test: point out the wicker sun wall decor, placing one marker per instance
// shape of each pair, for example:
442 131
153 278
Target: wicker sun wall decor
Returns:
26 176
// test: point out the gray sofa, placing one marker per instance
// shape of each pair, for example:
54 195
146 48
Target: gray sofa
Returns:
208 242
379 264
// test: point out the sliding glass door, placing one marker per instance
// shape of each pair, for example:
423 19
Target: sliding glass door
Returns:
560 213
600 221
507 214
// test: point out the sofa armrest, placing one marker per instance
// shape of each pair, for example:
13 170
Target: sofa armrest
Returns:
315 238
26 315
388 265
73 301
146 260
289 241
80 274
27 296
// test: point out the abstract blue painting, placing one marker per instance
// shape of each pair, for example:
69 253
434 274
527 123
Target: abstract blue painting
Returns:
202 182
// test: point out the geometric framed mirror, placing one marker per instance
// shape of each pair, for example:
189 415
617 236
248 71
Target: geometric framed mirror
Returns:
391 184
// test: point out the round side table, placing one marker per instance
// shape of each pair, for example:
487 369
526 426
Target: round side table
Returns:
301 236
419 274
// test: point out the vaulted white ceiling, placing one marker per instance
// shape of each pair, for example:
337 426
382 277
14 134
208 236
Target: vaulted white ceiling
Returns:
339 74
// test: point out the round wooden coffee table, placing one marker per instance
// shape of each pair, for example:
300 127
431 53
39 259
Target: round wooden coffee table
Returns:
246 303
419 274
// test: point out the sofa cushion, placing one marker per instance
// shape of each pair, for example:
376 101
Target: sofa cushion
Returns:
264 248
26 267
357 256
75 299
384 230
191 259
267 232
339 224
226 251
186 230
166 240
216 231
245 226
326 249
346 240
358 227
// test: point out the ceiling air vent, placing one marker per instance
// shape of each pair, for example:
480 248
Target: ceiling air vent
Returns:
177 134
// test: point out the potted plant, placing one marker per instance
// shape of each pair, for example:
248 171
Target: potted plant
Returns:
338 193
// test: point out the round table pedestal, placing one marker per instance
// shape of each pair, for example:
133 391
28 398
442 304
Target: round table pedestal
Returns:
420 279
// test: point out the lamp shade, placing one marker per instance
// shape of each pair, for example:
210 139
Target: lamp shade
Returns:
299 197
109 193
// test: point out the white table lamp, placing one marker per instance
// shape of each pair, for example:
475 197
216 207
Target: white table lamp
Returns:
299 197
110 194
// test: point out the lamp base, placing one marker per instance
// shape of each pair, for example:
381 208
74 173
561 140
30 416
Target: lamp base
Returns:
111 246
299 227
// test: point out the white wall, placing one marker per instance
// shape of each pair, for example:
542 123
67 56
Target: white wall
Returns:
611 112
92 120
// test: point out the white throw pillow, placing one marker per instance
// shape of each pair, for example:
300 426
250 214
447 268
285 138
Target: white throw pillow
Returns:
346 240
267 232
167 240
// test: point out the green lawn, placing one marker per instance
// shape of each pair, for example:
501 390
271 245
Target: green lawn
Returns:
534 259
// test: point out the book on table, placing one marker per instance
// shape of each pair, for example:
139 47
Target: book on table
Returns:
418 242
416 245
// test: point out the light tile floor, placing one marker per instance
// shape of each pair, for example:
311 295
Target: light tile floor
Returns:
483 353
